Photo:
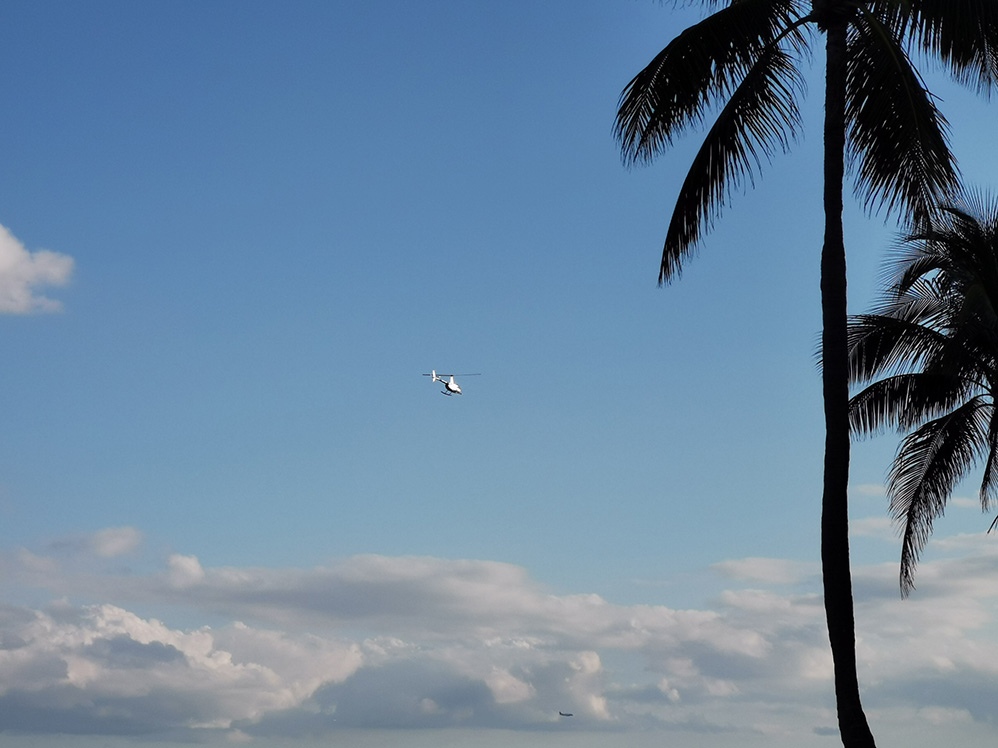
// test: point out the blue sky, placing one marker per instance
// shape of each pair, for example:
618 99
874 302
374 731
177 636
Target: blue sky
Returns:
231 508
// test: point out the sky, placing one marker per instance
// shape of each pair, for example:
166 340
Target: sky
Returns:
232 510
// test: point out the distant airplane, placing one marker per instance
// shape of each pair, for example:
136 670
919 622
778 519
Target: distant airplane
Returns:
565 714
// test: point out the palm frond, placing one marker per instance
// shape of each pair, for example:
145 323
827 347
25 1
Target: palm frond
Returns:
882 343
761 116
981 205
904 401
963 34
907 165
955 259
929 464
954 242
701 65
989 484
920 304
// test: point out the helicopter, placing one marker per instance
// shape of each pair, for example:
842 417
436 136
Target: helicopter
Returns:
450 386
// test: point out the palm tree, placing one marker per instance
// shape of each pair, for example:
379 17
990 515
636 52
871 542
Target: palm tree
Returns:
747 58
930 352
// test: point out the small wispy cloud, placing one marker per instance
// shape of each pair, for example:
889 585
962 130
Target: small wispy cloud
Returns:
965 503
115 541
873 527
768 570
22 273
111 542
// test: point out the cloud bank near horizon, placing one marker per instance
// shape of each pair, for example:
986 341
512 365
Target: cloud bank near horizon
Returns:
377 641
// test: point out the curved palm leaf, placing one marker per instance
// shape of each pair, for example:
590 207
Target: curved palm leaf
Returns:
905 400
909 163
704 63
960 33
760 116
953 241
989 483
929 464
884 343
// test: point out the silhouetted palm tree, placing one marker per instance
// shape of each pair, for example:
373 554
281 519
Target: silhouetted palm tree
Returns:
746 56
931 353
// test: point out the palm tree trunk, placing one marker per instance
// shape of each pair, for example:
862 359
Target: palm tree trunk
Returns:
836 575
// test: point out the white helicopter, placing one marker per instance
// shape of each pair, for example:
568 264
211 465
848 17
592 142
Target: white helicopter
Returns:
450 386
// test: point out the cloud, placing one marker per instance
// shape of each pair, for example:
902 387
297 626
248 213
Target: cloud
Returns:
874 490
416 642
103 669
184 571
966 502
109 543
116 541
769 570
874 527
22 272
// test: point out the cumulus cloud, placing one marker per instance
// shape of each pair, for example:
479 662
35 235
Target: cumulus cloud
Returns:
376 641
184 571
101 668
22 273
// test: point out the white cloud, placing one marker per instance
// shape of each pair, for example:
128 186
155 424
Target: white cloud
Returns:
965 503
102 668
184 570
874 527
769 570
23 272
873 490
971 544
116 541
375 641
